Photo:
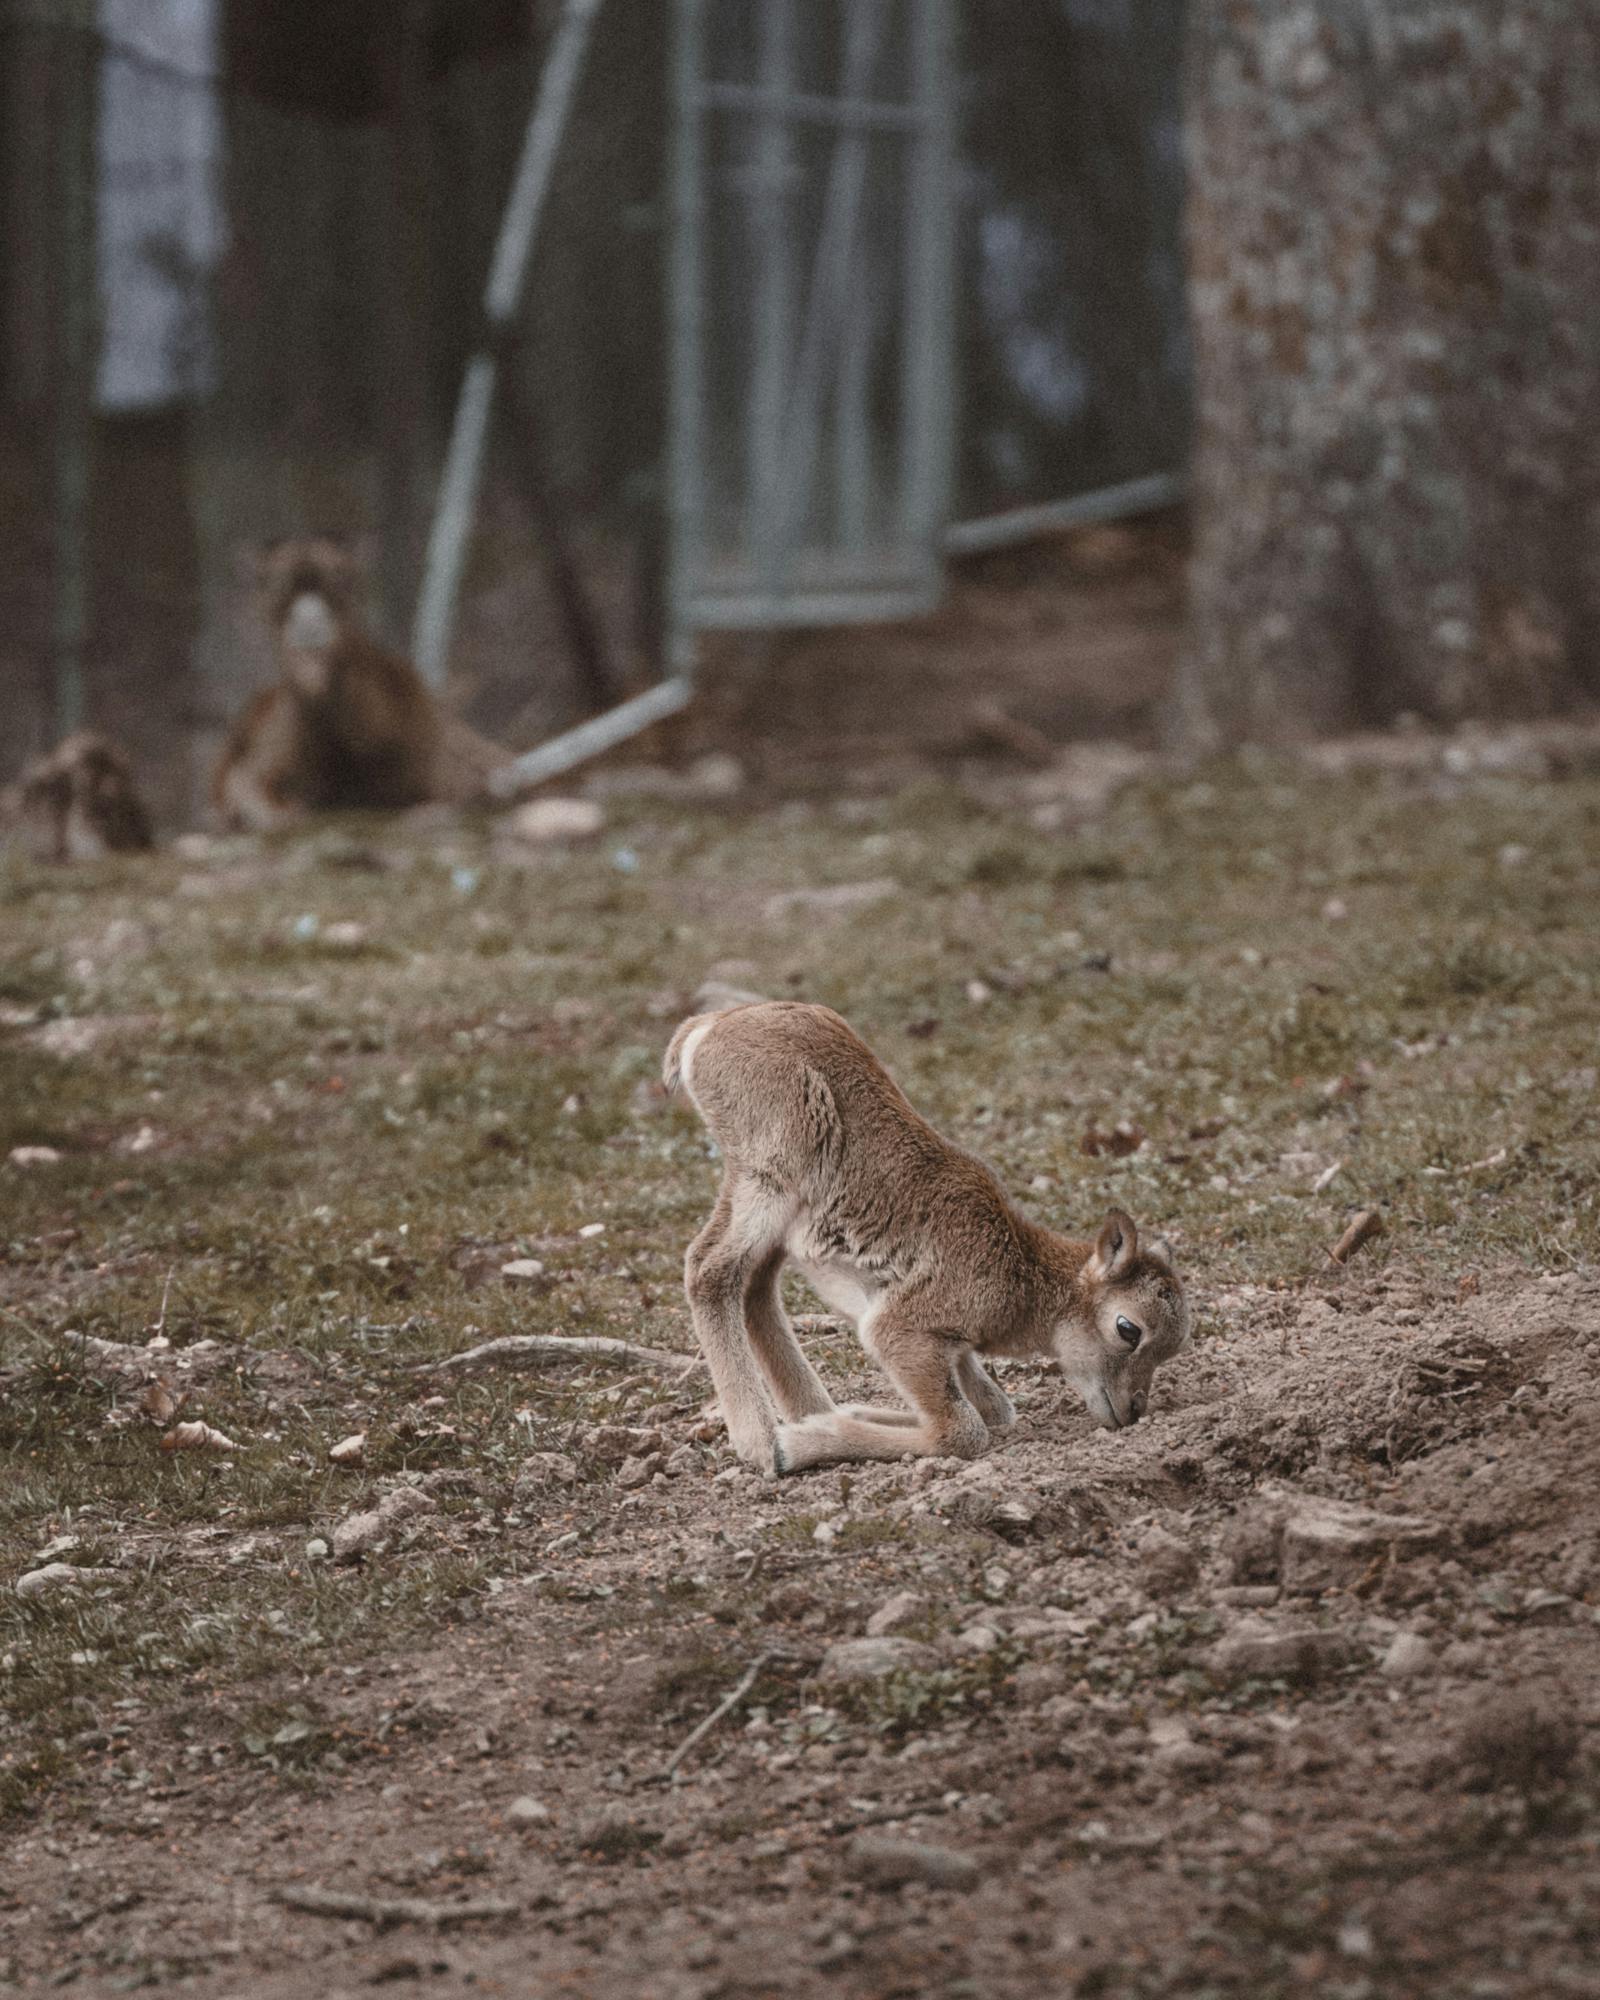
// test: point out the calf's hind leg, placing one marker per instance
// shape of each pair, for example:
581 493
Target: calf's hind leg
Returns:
717 1272
796 1386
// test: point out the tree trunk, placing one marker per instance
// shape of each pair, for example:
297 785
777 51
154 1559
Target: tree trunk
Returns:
1395 283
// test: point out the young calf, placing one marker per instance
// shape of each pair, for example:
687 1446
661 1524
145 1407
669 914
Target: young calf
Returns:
826 1163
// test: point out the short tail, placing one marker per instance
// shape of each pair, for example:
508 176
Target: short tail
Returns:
672 1062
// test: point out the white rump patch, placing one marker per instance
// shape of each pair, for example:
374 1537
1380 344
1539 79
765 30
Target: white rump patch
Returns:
691 1043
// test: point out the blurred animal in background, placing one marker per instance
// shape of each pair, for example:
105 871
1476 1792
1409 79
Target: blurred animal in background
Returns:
78 803
347 724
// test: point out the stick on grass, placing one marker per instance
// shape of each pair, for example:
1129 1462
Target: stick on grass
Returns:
549 1350
724 1707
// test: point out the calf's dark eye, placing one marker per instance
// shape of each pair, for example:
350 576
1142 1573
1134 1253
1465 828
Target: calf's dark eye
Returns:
1130 1333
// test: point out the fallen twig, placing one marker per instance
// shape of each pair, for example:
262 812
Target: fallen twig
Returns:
1364 1225
724 1707
540 1350
94 1351
386 1910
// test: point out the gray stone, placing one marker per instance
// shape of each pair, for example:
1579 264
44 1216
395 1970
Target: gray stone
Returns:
888 1863
543 822
873 1659
527 1812
1408 1654
896 1613
1167 1563
1329 1544
544 1468
1255 1650
361 1534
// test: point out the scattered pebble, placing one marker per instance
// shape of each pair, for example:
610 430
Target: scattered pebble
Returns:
547 822
887 1863
362 1534
872 1659
1409 1654
897 1613
522 1270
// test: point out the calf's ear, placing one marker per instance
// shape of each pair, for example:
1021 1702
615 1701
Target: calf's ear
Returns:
1114 1248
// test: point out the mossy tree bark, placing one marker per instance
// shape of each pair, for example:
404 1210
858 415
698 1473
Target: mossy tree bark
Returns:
1395 281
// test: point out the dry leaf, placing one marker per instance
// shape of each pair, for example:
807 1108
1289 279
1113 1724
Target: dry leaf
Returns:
197 1437
1469 1286
159 1404
350 1450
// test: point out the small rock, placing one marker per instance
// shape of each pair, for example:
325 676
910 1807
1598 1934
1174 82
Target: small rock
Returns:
1244 1595
1329 1544
522 1270
873 1659
886 1863
33 1156
1174 1750
1015 1515
977 1639
1409 1654
639 1470
1269 1652
316 1549
527 1812
545 822
995 1583
361 1534
544 1468
350 1450
1167 1563
684 1459
590 1229
56 1578
896 1614
716 776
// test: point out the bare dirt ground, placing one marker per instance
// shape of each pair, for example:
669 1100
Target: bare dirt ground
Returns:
1184 1737
1074 637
